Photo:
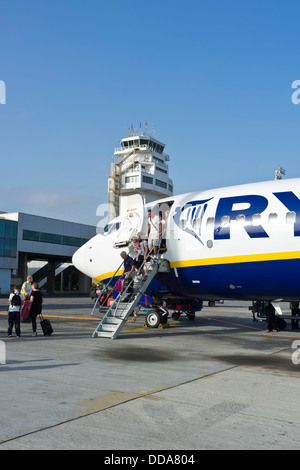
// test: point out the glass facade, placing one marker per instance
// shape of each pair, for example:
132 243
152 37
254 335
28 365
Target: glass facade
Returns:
161 184
53 238
8 238
147 179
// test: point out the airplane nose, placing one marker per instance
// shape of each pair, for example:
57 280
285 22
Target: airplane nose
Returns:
79 259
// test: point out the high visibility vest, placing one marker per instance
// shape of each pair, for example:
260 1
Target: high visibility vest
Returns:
25 288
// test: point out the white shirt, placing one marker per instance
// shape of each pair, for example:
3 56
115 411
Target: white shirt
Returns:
15 308
154 225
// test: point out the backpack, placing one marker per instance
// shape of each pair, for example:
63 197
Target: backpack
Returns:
16 301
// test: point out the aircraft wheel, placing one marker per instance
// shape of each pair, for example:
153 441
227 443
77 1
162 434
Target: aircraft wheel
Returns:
191 315
176 315
153 319
279 323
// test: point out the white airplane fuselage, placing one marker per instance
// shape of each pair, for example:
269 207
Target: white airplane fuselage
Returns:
238 242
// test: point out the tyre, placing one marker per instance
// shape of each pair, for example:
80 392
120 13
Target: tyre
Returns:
191 315
153 319
279 323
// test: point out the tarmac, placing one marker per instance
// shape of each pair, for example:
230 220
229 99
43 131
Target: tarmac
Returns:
218 382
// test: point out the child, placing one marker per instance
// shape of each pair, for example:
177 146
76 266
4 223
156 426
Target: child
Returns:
16 301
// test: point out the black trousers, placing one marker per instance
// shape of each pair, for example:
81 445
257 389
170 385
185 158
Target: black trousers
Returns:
14 318
270 314
295 323
33 316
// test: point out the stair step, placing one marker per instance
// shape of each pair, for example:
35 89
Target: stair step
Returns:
118 314
103 334
121 305
107 327
112 320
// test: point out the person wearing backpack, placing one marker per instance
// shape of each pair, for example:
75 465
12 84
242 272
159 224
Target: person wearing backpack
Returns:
16 300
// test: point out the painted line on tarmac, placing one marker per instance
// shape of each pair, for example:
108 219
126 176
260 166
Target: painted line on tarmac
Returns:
61 316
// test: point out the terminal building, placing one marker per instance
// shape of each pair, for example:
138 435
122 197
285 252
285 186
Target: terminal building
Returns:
49 243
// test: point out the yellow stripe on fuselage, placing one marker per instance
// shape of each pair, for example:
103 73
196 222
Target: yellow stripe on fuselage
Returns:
237 259
221 260
109 275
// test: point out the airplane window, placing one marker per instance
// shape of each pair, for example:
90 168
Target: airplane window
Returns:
240 219
273 218
196 224
256 219
110 228
210 222
225 220
183 223
291 217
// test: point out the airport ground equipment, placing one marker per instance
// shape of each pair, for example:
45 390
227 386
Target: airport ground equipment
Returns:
124 305
258 314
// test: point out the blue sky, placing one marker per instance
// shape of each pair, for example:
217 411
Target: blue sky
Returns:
213 78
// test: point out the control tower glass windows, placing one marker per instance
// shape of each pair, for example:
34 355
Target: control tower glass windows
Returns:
162 170
158 160
132 179
130 143
161 184
147 179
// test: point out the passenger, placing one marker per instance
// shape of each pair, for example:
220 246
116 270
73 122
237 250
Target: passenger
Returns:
128 264
16 300
154 233
143 243
163 231
270 314
139 255
27 288
36 300
129 269
294 306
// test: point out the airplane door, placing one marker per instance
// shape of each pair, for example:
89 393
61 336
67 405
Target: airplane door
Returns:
132 217
162 210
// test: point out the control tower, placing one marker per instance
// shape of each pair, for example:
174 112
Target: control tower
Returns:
140 171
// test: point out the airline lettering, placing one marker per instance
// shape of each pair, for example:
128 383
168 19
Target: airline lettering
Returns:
291 201
231 207
257 204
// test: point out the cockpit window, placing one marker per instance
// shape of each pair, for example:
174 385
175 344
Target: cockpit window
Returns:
110 228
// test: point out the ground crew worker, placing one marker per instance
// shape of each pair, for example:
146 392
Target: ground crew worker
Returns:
270 314
27 288
294 306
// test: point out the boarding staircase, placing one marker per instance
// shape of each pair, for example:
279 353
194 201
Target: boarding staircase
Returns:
124 305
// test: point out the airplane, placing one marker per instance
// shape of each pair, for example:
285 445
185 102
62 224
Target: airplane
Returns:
238 242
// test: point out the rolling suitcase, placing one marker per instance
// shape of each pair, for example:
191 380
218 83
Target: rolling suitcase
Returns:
46 326
25 313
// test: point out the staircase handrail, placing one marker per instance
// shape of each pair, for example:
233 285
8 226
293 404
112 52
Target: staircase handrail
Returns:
105 287
118 299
